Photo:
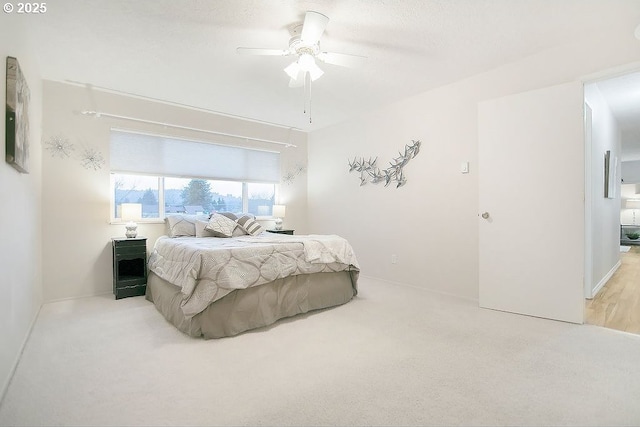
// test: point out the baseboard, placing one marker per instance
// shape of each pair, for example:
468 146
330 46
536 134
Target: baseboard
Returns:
99 294
12 372
604 280
435 291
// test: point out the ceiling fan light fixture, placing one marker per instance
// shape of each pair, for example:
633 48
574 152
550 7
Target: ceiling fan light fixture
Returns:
306 62
293 70
315 72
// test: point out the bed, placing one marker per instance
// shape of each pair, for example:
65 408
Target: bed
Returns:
210 281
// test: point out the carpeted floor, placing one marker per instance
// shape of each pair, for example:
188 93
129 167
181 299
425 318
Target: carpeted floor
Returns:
395 355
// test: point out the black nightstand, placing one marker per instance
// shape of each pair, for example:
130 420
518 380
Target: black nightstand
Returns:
129 266
281 231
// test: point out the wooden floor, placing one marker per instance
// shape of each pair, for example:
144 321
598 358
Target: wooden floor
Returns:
617 305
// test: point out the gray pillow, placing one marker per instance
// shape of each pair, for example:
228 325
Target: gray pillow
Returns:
249 225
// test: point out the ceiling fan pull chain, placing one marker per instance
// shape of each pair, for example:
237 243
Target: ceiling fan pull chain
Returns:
304 94
307 95
309 101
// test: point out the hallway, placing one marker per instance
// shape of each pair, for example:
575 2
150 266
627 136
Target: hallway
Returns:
617 305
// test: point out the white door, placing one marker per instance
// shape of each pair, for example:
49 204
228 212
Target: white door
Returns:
531 186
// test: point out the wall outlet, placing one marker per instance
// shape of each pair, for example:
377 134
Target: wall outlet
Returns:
394 259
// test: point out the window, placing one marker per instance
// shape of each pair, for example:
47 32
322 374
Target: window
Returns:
168 175
160 196
135 189
194 196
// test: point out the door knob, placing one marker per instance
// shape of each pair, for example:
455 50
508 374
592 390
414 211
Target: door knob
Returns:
485 215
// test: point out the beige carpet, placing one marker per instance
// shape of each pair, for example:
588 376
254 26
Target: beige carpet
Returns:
395 355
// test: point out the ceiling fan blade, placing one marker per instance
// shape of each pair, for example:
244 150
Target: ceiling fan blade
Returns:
260 51
342 59
313 27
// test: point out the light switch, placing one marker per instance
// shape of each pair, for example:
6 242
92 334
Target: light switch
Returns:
464 167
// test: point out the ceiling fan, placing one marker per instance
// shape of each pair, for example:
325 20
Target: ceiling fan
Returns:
305 46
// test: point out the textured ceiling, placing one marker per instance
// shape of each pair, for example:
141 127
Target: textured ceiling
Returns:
183 51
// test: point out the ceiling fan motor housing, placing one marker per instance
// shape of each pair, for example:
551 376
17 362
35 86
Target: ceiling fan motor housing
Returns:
298 47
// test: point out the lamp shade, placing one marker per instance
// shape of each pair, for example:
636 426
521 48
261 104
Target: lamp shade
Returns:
279 211
131 211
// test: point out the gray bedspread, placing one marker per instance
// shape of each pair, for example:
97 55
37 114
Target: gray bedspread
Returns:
206 269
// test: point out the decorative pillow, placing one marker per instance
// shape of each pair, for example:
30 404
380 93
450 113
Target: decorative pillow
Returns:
201 230
250 225
238 231
250 215
227 214
182 224
221 225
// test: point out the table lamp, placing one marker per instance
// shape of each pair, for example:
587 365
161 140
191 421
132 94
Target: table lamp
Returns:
131 212
278 214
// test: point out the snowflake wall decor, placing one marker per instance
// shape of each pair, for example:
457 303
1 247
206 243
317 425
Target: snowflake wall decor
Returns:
369 172
90 158
59 146
293 172
288 178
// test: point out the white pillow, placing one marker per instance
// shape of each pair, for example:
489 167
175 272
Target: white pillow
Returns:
249 225
221 225
182 224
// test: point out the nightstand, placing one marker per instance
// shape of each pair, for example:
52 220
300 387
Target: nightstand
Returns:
129 266
281 231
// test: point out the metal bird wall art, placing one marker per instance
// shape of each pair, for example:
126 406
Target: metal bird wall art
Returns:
369 172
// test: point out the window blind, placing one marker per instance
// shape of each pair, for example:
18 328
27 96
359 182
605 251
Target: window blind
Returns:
158 155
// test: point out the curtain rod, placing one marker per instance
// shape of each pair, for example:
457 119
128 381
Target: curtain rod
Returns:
98 114
90 87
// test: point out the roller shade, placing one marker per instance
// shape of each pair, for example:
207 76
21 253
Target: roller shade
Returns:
158 155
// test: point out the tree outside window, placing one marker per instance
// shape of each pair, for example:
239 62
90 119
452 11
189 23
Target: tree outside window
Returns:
198 193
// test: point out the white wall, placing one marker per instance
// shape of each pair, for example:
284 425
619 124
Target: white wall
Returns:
77 235
20 255
431 223
629 191
631 171
605 230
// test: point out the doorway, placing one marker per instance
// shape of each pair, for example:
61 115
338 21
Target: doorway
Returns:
612 277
